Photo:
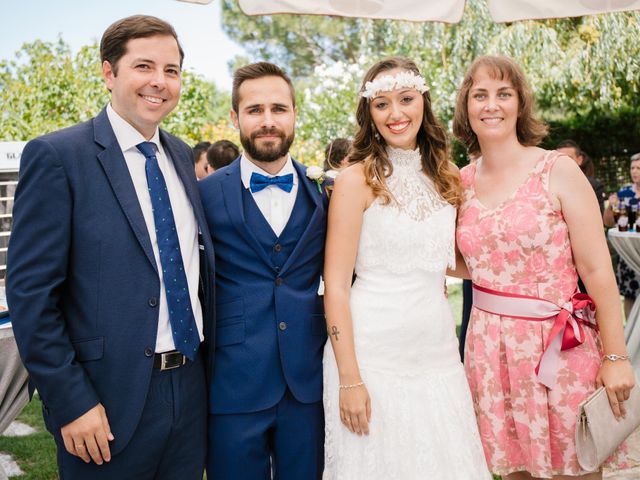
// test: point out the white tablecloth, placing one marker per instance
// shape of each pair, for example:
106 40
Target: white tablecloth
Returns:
627 244
13 380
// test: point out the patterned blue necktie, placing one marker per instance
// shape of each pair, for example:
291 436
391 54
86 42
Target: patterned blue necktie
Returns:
259 182
183 323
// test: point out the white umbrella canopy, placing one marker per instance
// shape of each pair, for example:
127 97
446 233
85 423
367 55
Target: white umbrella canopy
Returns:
513 10
449 11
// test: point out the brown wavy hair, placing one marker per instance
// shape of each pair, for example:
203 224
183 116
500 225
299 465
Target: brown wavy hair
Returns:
369 146
529 129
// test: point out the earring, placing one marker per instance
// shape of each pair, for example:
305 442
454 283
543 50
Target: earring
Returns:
376 135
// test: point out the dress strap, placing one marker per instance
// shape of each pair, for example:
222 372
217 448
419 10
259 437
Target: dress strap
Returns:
468 179
543 168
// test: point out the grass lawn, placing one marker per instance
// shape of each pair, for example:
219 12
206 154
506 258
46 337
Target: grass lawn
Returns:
36 454
455 301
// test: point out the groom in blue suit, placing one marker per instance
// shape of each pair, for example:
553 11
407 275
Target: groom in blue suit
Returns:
109 274
268 224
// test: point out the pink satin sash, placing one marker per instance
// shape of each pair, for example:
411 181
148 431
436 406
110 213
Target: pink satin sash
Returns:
579 310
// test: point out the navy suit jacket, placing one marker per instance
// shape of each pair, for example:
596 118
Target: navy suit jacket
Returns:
270 329
82 283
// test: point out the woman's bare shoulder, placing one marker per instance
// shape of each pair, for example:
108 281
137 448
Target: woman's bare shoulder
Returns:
352 183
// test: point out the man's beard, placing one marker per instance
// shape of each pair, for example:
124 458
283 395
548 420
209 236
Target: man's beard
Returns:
269 152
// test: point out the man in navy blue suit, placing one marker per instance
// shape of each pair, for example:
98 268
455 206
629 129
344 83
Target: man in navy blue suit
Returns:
268 224
109 275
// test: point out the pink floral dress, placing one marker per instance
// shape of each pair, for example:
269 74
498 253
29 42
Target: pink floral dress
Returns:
522 246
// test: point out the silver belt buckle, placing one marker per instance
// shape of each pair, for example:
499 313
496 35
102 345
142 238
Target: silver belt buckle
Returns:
166 363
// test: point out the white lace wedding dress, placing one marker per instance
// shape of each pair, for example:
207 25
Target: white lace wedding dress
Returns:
422 420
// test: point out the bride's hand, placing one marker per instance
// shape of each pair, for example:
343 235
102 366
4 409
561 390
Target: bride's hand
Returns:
355 409
618 379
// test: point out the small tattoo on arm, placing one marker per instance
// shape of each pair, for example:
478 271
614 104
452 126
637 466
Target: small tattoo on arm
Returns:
335 332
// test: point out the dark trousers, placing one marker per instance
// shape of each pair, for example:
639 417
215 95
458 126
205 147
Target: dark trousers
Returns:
169 442
288 438
467 303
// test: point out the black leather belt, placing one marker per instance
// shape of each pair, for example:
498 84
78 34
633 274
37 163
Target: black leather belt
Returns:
168 360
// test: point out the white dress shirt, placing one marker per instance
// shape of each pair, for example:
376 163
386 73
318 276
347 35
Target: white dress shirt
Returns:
128 137
275 204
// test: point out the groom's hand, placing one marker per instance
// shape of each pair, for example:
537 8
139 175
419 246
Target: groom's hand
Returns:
88 436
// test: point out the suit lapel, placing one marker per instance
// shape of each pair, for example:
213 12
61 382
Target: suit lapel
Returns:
311 189
115 168
232 189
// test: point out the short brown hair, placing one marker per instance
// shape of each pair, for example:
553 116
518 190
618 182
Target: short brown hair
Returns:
587 166
222 153
370 148
254 71
335 152
529 129
113 45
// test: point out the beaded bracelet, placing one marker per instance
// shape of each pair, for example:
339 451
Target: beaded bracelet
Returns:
354 385
613 357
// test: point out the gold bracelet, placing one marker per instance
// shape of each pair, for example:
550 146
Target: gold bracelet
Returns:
354 385
612 357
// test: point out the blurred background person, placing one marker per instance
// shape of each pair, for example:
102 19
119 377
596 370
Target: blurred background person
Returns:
221 153
200 159
573 150
335 154
628 279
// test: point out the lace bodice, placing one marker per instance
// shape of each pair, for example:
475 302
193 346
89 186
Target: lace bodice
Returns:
415 230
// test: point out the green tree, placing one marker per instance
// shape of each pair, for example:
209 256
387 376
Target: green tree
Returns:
46 87
299 42
577 67
201 104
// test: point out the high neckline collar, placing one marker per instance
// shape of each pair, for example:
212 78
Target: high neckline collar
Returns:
401 157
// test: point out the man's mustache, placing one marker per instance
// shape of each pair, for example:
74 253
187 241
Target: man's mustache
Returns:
268 132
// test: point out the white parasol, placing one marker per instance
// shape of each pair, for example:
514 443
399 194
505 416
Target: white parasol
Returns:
448 11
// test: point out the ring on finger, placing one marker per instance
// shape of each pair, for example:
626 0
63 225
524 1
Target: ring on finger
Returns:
82 445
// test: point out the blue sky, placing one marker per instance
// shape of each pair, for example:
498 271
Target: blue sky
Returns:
80 22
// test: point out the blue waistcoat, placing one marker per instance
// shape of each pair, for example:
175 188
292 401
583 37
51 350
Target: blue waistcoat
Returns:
270 325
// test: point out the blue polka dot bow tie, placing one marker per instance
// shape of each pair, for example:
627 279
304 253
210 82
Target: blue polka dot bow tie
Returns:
181 319
260 182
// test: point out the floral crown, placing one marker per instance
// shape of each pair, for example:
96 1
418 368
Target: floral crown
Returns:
387 83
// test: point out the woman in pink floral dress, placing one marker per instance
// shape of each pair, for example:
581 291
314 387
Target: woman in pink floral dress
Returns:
521 207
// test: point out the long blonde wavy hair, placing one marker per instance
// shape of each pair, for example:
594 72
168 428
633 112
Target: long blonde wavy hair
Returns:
369 146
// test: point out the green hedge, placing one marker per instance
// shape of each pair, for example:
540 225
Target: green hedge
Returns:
608 138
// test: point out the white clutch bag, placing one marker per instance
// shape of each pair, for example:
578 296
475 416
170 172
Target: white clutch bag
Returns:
598 433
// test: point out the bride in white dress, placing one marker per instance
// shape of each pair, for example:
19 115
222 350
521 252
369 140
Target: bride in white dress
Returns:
397 404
